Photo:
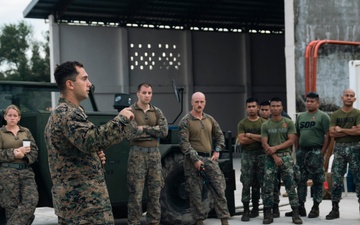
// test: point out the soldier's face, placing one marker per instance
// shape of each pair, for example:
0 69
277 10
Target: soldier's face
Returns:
144 95
348 98
252 108
265 111
312 104
12 117
275 108
82 84
198 103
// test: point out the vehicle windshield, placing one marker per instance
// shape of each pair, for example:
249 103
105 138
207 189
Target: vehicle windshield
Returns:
31 97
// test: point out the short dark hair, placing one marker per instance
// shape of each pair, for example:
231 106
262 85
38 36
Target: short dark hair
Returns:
265 103
313 95
66 71
251 99
143 84
276 99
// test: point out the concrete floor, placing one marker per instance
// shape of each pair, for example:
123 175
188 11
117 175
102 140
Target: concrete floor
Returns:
349 210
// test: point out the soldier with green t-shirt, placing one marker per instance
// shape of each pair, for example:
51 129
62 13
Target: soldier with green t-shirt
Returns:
313 140
277 136
253 156
345 128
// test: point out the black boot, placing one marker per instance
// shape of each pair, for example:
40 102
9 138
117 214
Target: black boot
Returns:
314 210
334 213
255 210
295 215
268 217
276 212
302 211
246 213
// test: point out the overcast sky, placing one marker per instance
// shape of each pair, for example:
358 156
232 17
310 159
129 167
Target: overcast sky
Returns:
11 11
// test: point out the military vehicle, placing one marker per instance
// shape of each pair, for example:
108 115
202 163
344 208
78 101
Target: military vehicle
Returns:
36 100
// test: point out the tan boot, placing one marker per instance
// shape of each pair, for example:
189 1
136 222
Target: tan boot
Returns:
200 222
224 222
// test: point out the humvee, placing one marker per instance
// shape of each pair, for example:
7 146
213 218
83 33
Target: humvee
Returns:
36 100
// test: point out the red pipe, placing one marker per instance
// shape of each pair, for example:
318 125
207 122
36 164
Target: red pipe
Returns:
308 54
310 78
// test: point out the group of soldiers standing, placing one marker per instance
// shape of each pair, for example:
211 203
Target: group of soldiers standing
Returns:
267 143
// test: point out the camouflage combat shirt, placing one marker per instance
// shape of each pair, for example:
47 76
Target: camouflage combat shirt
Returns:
72 141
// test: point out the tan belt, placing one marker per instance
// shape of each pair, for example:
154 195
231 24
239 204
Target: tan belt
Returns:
144 149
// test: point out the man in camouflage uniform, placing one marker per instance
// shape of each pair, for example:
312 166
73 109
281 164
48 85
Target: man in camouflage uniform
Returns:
345 128
197 130
144 163
313 140
277 137
265 113
79 191
253 156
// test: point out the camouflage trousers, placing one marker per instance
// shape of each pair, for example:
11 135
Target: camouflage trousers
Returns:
18 195
103 218
344 154
255 190
286 171
195 188
311 166
144 169
252 174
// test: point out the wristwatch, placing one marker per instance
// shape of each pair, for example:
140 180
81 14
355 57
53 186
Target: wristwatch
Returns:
217 149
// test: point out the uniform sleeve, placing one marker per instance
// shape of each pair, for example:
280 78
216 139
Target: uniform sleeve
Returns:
6 155
86 137
326 122
218 136
240 127
264 130
333 119
291 127
161 128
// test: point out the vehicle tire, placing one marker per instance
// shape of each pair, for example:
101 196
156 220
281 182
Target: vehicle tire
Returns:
174 199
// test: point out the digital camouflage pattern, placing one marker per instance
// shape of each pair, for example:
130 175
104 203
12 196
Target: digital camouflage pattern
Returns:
144 165
287 174
310 164
141 165
195 187
190 131
252 173
343 155
79 190
18 190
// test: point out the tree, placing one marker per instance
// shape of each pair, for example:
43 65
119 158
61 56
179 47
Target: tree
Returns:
21 57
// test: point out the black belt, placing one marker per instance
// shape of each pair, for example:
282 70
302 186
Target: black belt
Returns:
18 166
280 154
310 148
204 154
145 149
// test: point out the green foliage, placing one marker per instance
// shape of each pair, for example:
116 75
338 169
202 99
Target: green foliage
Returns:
21 57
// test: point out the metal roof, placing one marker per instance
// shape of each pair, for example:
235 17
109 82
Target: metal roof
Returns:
244 15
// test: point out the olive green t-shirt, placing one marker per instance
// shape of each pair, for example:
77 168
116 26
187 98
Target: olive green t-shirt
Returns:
254 127
312 128
345 120
277 132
